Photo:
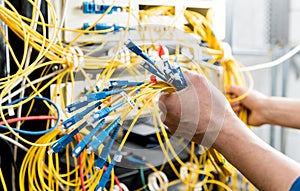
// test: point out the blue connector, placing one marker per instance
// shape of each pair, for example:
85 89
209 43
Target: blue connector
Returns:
83 143
106 174
77 105
99 95
66 139
104 112
123 84
88 7
102 26
149 64
91 7
101 9
138 51
100 162
100 138
79 116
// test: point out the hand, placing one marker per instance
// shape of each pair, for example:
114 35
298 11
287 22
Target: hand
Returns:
255 102
197 112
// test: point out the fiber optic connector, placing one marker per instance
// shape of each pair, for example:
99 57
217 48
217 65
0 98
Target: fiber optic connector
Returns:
79 116
77 105
122 84
100 162
100 138
101 9
92 7
88 7
104 112
106 174
149 64
99 95
86 139
66 139
138 51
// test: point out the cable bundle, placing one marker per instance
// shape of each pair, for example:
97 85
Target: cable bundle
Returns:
77 152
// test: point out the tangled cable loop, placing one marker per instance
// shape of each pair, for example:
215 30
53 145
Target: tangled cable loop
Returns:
157 181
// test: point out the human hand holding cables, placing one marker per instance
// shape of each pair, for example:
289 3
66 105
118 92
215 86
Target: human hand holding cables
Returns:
267 109
264 166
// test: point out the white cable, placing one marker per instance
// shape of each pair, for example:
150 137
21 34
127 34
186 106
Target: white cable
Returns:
271 64
28 85
13 142
19 80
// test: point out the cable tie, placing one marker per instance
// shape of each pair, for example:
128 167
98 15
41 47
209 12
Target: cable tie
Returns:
128 99
75 65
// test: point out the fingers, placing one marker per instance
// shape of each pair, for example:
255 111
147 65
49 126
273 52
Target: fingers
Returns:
236 90
168 116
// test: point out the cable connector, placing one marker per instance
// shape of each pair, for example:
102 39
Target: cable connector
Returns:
66 139
100 138
92 7
104 112
106 174
83 143
122 84
77 105
79 116
100 162
99 95
149 64
138 51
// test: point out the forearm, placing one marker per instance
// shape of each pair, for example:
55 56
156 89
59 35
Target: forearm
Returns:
283 112
265 167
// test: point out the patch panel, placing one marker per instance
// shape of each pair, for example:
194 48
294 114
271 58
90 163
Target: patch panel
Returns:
121 13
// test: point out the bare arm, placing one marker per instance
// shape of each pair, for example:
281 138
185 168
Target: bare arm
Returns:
264 166
269 110
283 111
218 126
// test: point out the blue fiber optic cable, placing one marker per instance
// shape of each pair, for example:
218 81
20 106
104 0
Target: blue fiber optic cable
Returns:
36 132
66 139
100 138
100 162
86 139
79 116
